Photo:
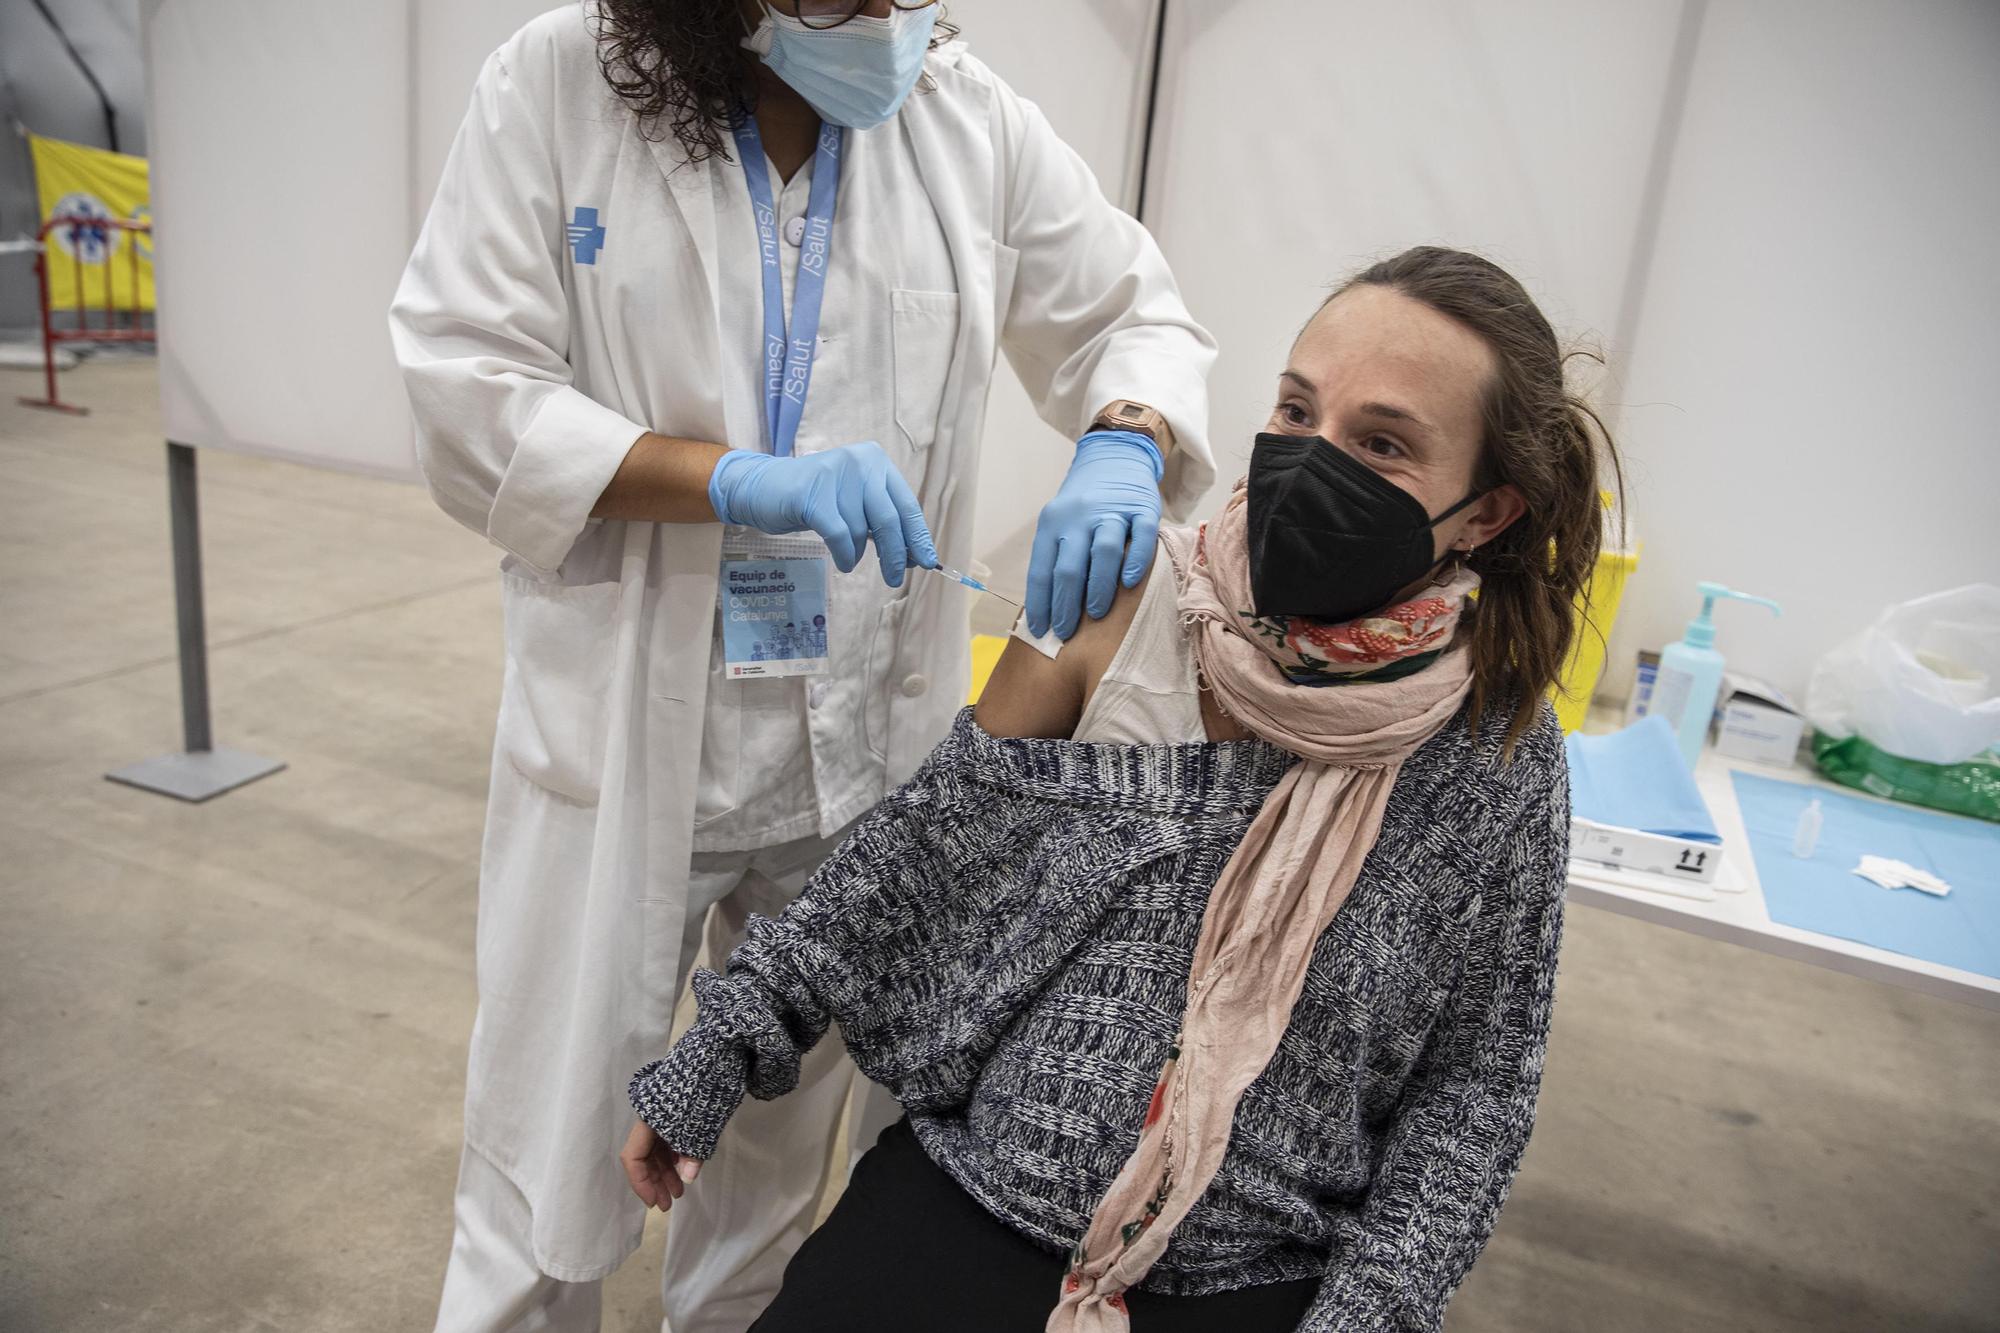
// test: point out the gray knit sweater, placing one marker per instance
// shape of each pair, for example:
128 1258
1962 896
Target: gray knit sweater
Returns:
1005 943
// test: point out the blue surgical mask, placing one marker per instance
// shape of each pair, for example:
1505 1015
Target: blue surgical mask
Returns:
855 75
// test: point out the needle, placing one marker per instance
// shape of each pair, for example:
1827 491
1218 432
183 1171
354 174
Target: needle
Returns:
961 577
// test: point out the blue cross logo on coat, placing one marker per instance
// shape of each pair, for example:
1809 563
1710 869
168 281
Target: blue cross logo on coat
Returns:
586 238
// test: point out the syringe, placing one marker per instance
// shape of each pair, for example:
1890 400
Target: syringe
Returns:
961 577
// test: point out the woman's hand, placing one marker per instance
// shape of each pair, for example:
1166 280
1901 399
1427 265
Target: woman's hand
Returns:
849 496
657 1173
1097 534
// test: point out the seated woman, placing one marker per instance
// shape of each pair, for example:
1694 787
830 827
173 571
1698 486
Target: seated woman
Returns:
1212 959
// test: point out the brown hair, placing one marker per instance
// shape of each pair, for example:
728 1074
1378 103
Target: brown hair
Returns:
1545 441
680 65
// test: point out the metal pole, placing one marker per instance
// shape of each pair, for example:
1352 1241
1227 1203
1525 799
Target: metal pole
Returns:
82 293
201 770
1653 195
44 280
189 615
89 76
1152 109
48 321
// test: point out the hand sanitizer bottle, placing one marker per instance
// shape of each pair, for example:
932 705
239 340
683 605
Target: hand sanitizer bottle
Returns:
1690 673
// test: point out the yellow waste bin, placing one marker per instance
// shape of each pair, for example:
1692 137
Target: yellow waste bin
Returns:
986 650
1596 612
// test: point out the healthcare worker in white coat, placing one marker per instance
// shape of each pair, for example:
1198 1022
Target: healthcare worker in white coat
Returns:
675 392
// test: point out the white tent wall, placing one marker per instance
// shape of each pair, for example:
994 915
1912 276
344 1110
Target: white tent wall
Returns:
1295 142
1084 64
1810 395
1299 142
454 38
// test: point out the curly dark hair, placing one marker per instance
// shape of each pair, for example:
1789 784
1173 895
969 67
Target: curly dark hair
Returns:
681 66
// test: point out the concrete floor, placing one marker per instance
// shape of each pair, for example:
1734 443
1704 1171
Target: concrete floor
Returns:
232 1035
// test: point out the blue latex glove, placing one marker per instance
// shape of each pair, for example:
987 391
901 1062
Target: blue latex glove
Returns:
1099 531
846 495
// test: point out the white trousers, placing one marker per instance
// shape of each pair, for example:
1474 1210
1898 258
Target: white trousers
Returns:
731 1235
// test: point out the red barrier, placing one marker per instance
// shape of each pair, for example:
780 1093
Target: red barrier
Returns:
131 330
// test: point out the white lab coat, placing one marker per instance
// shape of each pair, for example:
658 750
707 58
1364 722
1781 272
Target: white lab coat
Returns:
529 384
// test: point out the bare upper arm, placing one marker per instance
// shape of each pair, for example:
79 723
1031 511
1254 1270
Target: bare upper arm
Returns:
1033 695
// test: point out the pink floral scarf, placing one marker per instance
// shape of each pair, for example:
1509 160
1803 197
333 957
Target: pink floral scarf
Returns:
1314 652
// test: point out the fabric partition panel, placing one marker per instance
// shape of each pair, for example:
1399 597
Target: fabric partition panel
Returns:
453 39
295 149
281 146
1298 142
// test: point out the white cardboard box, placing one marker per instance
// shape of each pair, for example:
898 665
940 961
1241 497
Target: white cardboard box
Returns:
1757 722
1682 859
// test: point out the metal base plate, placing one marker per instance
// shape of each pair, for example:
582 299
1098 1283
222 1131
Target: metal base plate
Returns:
196 775
54 404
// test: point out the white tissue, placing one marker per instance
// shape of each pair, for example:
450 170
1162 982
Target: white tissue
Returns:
1048 645
1894 874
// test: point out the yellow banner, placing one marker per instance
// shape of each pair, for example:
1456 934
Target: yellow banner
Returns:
90 183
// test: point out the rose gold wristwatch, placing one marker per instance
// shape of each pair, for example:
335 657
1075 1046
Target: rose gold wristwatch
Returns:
1128 415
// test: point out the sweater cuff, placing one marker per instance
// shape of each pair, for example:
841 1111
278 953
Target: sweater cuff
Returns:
1340 1308
1360 1293
688 1097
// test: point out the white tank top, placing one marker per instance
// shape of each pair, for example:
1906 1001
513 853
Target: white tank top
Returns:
1149 694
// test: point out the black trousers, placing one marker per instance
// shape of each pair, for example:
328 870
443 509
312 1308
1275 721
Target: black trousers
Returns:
907 1251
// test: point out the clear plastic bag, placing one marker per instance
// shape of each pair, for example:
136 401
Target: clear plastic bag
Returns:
1922 682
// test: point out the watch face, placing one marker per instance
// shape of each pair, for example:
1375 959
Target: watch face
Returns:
1128 415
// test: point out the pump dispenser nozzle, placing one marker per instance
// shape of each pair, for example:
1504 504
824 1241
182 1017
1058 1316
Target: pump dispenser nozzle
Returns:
1701 630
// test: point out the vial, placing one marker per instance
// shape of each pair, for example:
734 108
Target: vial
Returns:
1807 836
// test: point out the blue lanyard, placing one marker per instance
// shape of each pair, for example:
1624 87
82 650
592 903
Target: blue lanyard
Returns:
788 360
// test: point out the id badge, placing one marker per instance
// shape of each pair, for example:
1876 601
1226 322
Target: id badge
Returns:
774 617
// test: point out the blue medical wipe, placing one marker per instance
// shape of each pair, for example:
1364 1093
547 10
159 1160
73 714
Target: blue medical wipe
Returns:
774 618
1635 779
788 356
1821 893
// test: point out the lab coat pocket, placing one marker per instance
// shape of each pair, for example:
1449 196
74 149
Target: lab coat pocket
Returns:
882 682
925 332
559 652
